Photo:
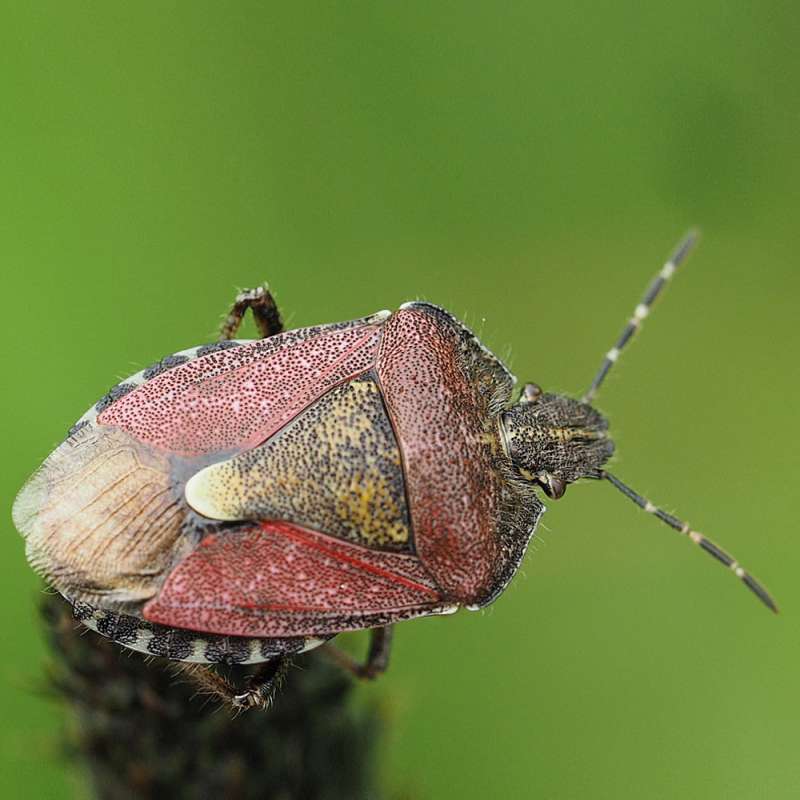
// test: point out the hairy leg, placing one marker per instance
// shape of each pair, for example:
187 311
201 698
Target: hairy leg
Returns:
265 313
259 691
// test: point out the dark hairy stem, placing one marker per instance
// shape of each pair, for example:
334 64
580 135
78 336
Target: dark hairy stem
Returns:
143 732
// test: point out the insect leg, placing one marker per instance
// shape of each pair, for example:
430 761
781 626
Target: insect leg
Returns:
265 313
263 684
380 647
260 690
206 680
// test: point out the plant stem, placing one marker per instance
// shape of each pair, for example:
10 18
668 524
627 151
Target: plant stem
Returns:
143 733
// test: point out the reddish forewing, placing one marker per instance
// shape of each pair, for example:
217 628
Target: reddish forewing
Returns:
237 398
278 579
439 419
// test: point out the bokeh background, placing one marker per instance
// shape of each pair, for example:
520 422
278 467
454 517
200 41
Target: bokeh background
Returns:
528 166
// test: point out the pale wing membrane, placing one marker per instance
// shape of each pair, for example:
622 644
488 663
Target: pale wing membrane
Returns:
101 518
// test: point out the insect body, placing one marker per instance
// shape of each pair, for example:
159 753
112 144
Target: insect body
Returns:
247 500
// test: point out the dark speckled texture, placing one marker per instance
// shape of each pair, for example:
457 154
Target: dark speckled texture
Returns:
336 468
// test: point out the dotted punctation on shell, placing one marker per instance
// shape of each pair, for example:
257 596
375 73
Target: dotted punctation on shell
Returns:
237 397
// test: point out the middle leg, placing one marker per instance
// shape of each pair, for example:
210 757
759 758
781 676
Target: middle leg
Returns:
380 648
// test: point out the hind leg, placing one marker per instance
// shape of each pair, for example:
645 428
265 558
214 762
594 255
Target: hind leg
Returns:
259 691
265 313
263 684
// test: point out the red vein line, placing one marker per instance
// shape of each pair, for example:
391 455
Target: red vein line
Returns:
308 541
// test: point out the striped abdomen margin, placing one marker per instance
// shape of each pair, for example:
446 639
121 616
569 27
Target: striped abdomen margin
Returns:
184 645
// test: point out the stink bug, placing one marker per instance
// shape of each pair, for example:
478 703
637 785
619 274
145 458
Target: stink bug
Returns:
243 501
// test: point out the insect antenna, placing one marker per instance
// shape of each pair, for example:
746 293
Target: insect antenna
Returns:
706 544
642 310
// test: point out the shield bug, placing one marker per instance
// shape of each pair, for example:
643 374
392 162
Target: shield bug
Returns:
244 501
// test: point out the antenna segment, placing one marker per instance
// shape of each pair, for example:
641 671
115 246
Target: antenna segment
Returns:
704 543
641 311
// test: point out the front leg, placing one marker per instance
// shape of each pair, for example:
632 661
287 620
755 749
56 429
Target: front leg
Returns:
380 647
265 313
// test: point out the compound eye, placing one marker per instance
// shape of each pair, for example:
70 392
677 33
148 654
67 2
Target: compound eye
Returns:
553 486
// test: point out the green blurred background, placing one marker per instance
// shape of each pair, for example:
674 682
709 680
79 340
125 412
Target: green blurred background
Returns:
528 166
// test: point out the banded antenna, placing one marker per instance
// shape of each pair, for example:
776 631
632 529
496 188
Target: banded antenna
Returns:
702 541
641 311
635 322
